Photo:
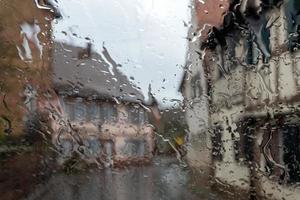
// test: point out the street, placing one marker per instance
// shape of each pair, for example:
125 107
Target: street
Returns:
164 179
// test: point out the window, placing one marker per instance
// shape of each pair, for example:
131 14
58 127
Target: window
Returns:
108 112
134 147
109 148
93 111
281 150
136 114
291 151
252 51
69 109
93 146
196 86
293 19
75 109
30 97
217 144
80 110
247 133
143 116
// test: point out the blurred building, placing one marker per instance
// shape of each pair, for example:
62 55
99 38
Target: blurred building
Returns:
241 89
194 85
25 48
72 89
105 112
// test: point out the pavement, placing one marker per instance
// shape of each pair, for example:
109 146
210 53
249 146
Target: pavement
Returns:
164 179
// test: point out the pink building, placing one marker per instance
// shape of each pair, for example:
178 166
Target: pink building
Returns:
104 116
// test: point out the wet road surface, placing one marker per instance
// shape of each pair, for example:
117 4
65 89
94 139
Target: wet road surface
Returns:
163 180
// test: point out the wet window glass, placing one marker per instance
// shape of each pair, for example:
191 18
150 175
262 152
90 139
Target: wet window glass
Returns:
149 99
93 113
108 112
80 110
136 115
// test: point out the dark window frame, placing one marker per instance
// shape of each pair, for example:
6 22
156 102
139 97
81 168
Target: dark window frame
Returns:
217 143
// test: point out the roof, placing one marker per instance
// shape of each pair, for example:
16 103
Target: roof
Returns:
82 72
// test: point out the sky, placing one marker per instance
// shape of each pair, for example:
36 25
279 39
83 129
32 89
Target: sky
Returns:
147 37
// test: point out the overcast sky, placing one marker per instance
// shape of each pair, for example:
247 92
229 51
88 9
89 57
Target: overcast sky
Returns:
147 37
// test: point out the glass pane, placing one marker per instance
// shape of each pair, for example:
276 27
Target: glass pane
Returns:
150 99
108 112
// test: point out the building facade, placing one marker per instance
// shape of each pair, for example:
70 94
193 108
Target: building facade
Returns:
194 86
250 83
104 116
25 48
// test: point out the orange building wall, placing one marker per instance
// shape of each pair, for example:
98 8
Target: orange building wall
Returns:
16 73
